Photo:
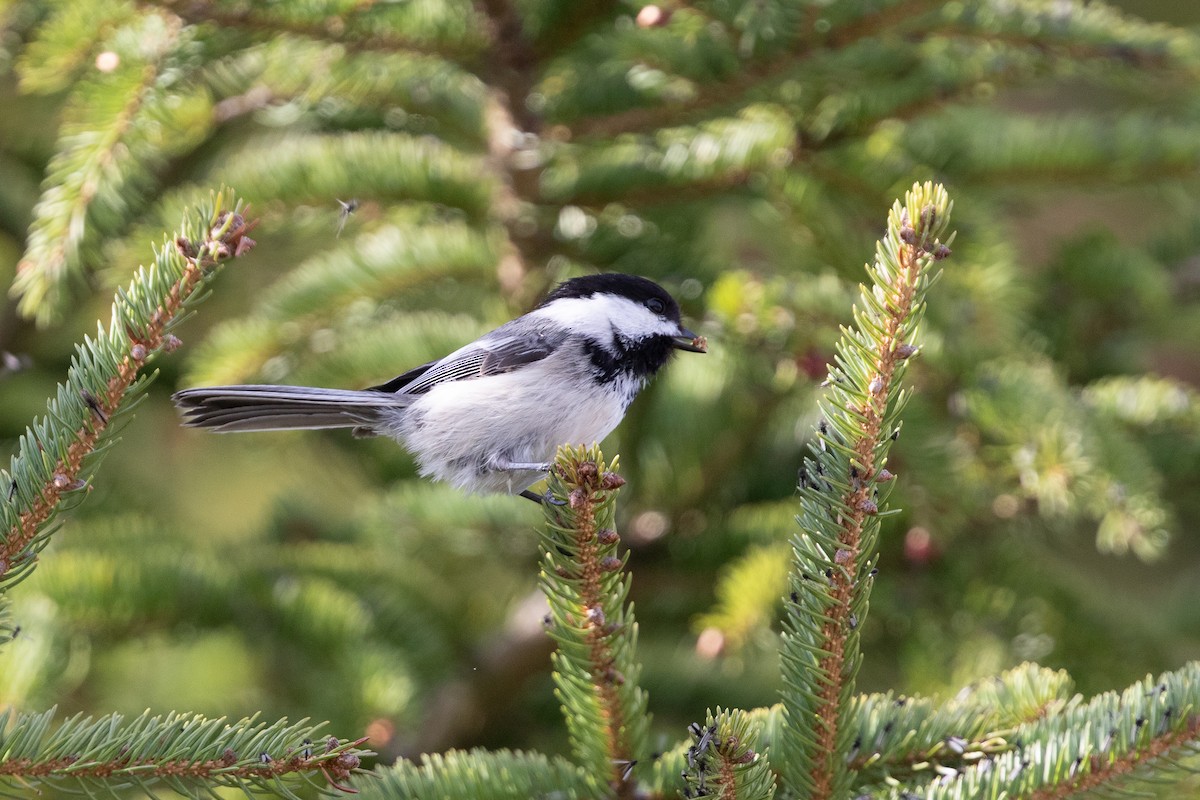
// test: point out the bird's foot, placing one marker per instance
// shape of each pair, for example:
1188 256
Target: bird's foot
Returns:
545 499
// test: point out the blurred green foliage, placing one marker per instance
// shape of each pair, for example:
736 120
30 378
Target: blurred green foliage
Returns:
738 152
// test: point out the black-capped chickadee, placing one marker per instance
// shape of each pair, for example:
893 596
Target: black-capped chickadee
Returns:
489 416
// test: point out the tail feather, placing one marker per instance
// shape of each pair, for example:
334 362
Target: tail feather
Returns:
227 409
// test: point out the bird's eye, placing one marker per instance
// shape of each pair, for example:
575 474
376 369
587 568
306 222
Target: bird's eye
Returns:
656 305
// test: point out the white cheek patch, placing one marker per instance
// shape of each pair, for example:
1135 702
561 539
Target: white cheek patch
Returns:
599 314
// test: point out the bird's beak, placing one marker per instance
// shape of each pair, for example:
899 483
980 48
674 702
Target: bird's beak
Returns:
686 340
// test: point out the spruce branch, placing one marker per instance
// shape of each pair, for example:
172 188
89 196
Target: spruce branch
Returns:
995 147
1079 31
584 581
1110 744
722 762
497 775
909 740
1029 27
111 141
1146 402
381 264
304 167
66 40
710 95
454 33
675 163
843 490
428 88
53 454
1068 458
9 629
906 740
187 753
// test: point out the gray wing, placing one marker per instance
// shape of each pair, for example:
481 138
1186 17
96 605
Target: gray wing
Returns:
505 349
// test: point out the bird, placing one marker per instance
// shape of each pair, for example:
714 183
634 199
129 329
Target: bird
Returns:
488 417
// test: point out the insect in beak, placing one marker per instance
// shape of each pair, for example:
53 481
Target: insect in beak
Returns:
686 340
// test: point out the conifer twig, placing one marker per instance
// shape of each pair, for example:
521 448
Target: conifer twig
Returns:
906 740
740 84
54 452
184 752
911 739
842 489
483 773
1106 745
721 760
94 147
585 583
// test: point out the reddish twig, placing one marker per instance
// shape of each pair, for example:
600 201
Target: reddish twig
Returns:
860 504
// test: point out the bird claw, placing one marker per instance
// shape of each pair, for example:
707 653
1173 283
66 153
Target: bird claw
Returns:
546 499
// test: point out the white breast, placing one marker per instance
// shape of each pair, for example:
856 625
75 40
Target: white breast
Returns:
459 429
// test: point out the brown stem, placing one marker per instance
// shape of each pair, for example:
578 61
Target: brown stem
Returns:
512 68
339 766
861 505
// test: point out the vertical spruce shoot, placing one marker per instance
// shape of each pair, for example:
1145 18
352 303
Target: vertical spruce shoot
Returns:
843 495
584 579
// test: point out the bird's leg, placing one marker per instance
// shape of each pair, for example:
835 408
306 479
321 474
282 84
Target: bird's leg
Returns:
545 499
504 465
